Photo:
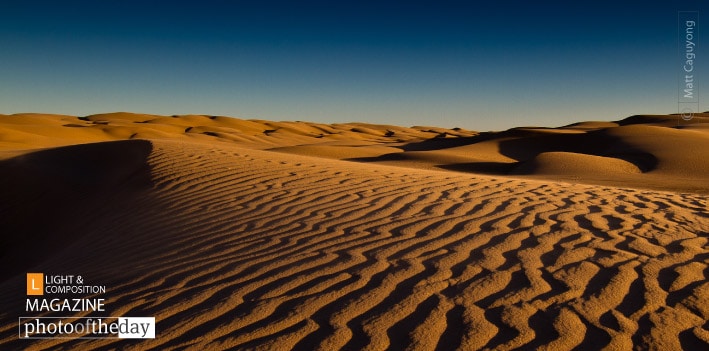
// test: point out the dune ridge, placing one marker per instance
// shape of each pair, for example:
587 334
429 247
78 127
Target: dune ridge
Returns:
231 247
659 152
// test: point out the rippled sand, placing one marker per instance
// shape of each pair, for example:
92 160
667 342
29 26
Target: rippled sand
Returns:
231 246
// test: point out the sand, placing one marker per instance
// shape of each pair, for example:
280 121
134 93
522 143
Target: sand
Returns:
239 234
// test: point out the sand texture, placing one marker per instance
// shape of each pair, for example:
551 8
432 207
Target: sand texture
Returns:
258 235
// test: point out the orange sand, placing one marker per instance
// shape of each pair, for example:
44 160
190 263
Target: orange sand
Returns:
240 234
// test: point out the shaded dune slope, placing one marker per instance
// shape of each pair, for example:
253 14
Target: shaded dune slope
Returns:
48 194
231 247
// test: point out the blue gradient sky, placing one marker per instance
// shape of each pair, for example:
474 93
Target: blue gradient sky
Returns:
481 67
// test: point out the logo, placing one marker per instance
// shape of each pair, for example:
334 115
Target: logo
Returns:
73 294
35 284
87 327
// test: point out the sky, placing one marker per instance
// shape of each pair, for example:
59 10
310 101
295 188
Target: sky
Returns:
477 65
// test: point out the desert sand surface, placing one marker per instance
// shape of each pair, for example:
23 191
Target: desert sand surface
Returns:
259 235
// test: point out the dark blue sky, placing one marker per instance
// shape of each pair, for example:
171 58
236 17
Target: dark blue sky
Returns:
477 66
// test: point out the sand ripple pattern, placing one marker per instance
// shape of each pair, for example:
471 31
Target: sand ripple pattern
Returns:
245 249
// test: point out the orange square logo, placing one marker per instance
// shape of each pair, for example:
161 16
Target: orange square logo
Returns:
35 283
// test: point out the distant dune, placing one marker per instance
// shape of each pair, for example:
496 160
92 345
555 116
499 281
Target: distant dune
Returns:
251 234
659 152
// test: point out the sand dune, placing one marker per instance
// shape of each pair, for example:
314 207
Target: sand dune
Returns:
232 246
669 153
